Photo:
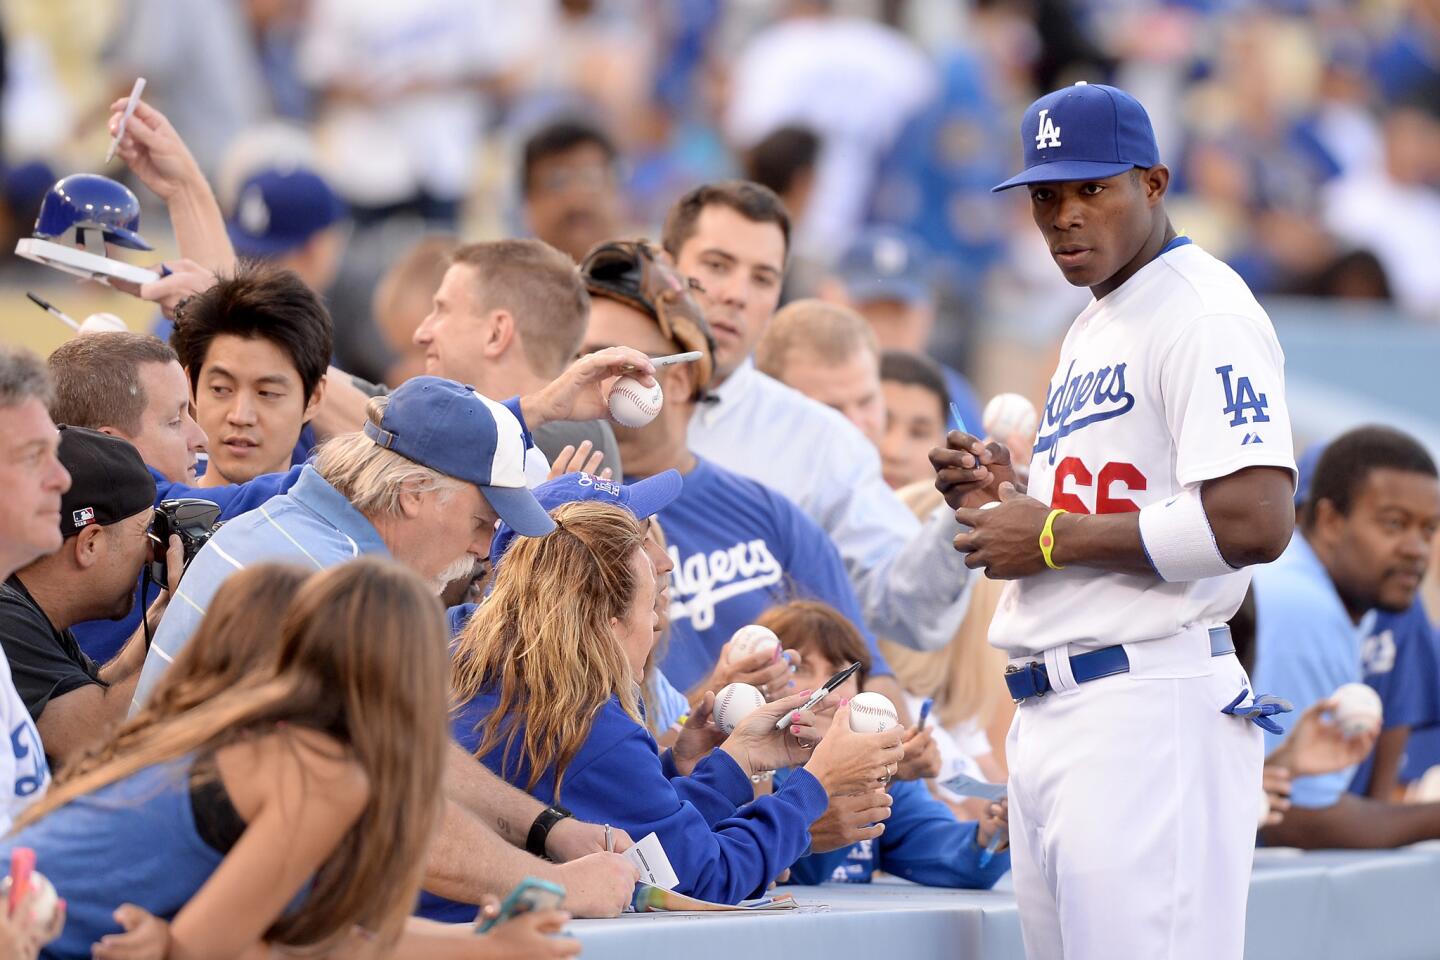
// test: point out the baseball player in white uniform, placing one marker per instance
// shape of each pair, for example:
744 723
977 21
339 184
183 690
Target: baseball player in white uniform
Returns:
1162 469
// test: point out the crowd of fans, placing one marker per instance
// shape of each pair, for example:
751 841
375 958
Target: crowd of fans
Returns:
338 605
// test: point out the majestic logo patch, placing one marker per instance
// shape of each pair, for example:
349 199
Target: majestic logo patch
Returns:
1242 404
1049 135
702 581
83 516
1104 389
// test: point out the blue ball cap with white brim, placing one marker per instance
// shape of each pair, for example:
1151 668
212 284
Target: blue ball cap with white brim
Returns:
1086 132
450 428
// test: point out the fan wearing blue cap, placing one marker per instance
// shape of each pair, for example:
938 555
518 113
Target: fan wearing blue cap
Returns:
291 216
435 466
1162 470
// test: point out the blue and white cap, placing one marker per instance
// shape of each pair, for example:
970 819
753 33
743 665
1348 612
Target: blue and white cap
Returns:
450 428
279 210
643 498
1086 132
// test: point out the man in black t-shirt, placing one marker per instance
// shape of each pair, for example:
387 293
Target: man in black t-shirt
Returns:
105 521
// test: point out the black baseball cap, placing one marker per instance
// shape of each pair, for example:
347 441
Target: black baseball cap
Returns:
108 480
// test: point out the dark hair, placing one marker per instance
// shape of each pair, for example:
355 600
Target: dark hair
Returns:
260 300
1349 459
902 366
97 379
559 137
751 200
780 158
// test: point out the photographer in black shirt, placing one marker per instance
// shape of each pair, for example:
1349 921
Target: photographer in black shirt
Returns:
105 520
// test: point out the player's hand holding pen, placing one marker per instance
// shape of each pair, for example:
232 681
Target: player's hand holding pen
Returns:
969 471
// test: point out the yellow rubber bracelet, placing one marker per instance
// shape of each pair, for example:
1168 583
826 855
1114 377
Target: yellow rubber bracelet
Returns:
1047 539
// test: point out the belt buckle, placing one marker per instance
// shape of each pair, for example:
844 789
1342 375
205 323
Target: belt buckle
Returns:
1034 668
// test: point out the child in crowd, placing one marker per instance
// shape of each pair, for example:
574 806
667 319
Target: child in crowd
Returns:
549 698
922 840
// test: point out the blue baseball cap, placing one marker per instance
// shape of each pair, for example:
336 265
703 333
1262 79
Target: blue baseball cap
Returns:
278 210
1086 132
1305 466
450 428
643 498
885 264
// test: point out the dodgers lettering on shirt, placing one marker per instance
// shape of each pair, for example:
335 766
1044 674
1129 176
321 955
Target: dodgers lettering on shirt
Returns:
740 548
1173 379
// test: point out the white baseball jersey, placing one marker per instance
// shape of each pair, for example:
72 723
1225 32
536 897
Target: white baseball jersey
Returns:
1173 379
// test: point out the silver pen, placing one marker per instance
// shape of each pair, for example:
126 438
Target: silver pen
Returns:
135 93
609 839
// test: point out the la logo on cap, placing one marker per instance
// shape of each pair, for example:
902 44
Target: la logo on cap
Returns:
83 516
1049 135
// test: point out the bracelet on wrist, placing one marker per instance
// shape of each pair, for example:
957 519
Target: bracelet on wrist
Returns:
1047 539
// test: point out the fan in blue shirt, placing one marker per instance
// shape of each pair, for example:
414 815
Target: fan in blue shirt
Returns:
1363 543
922 840
1401 660
550 703
738 547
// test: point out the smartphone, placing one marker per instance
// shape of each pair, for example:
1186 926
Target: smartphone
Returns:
529 894
22 866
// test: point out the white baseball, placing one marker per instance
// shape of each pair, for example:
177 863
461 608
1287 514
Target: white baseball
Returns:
872 713
103 323
1010 415
734 703
1357 709
633 404
752 638
44 899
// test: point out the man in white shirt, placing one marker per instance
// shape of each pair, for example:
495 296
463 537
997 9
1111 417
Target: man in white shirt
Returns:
731 240
33 480
1162 469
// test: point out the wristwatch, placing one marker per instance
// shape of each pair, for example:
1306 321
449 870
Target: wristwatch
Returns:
540 829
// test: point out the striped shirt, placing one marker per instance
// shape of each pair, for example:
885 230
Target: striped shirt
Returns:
313 526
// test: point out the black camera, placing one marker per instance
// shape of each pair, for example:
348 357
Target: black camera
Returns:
193 521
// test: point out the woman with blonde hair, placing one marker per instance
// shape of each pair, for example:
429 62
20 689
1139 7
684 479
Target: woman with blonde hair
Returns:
547 680
287 804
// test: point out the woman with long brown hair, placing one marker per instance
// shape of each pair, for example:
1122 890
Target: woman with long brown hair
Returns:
547 681
290 804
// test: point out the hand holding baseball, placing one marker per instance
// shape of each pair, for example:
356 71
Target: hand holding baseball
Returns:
766 668
1004 540
698 737
582 392
757 746
1318 745
849 762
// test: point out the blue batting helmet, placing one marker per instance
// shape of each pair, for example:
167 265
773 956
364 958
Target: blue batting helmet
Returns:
87 201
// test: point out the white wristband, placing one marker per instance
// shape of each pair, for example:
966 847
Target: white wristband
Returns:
1178 540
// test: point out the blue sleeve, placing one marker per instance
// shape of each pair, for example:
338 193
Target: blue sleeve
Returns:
924 843
814 564
458 616
1400 663
235 499
1302 656
625 786
717 787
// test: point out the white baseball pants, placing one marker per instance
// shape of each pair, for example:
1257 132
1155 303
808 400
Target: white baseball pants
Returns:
1133 808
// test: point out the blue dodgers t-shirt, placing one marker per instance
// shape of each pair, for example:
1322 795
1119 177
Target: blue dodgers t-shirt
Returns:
1401 659
1306 646
740 548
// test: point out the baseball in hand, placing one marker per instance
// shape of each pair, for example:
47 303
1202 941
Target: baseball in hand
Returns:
752 638
632 404
734 703
1008 416
872 713
1357 709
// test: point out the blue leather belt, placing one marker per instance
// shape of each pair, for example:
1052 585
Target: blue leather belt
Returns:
1031 679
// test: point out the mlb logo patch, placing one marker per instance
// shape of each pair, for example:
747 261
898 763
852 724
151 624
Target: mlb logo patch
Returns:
83 516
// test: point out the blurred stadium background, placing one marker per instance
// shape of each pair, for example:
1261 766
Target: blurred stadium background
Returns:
1304 136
